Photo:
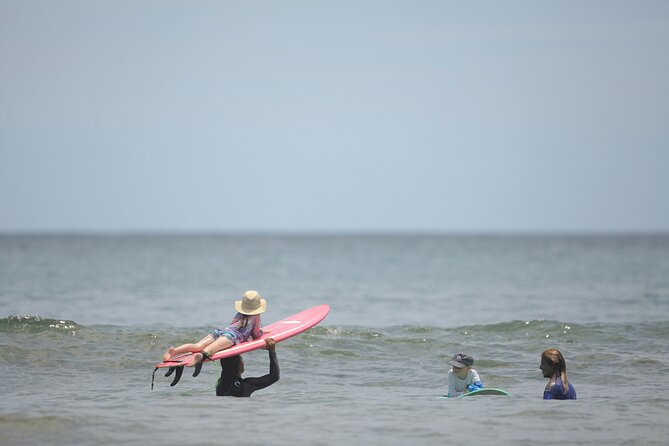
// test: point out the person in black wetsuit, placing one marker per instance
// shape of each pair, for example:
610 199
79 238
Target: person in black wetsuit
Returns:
231 382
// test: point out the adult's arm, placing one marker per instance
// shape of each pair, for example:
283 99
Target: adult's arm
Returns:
253 384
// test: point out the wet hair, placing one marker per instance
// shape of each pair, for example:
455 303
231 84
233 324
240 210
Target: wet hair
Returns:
229 372
556 360
230 366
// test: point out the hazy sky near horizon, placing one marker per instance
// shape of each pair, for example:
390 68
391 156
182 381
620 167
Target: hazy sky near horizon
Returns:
334 116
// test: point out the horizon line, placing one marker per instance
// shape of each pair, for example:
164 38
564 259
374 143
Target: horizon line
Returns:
334 232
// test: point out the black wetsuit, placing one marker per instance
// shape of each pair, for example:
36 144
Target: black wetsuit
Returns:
236 386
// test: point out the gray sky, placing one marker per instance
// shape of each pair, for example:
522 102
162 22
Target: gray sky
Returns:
334 116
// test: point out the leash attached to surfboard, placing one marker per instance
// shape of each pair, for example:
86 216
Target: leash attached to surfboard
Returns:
179 369
177 377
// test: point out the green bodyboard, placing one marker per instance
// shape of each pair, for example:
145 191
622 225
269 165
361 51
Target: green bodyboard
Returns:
486 391
489 391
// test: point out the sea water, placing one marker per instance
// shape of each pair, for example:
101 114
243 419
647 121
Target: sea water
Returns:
83 319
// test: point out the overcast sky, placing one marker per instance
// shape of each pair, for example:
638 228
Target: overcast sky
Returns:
334 116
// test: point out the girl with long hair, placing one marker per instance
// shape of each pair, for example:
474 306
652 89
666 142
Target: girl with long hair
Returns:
554 367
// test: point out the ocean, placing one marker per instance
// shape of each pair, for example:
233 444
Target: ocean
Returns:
84 318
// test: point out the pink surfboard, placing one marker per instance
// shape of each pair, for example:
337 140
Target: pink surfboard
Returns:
279 331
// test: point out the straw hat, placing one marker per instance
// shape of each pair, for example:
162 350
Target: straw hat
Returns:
251 304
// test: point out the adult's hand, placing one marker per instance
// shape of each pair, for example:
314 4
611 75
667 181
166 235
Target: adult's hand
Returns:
269 344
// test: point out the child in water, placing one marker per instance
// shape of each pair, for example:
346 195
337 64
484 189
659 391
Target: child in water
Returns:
462 378
246 324
554 367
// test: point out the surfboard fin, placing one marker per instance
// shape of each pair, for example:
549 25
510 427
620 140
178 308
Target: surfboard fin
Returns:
198 368
177 377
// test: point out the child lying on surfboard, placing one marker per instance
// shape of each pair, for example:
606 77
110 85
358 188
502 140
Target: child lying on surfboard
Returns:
462 378
246 324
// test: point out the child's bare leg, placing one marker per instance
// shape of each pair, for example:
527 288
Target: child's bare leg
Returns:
219 344
185 348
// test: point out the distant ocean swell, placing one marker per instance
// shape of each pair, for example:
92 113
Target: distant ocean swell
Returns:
149 342
503 330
